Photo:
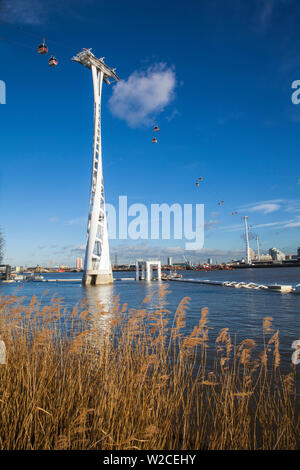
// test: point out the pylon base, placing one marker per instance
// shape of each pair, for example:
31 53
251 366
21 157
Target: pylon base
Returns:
97 279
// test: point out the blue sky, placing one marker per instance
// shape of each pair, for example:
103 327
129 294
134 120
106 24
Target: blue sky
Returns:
217 78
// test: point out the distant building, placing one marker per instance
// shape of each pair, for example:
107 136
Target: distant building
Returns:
298 252
263 257
209 261
170 261
291 257
276 254
79 263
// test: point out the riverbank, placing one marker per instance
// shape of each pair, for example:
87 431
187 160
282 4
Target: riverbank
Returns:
267 265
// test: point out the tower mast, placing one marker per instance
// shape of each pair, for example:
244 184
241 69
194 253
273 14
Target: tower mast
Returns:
248 257
97 265
258 251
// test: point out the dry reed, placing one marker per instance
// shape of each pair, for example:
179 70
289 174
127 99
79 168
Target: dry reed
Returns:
130 379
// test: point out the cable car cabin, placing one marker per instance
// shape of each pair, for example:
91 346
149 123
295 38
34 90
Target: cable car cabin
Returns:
197 184
52 61
156 128
42 49
154 140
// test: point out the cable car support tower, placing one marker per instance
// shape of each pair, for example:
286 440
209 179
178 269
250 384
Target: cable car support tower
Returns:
97 265
248 255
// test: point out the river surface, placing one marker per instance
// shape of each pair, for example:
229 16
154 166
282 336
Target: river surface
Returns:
240 310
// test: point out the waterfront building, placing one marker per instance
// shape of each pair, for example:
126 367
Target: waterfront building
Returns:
264 257
276 254
79 263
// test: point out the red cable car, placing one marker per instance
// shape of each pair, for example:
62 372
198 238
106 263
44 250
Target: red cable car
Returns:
52 61
42 48
156 128
154 140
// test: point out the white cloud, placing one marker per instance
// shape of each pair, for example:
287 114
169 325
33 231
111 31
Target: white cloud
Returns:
265 208
80 249
77 221
210 224
279 224
294 223
143 95
174 113
37 11
266 12
270 224
23 11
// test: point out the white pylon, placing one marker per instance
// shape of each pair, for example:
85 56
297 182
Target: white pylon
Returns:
248 256
258 251
97 265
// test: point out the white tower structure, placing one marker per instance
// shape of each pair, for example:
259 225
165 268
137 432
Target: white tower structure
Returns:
97 265
258 251
248 256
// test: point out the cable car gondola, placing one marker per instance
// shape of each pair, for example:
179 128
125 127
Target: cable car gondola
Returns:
154 140
42 48
156 128
52 61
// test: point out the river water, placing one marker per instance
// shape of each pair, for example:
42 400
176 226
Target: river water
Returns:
240 310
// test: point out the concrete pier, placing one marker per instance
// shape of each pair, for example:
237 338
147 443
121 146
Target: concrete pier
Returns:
144 270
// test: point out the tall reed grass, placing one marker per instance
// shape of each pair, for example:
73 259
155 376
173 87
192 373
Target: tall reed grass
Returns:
131 379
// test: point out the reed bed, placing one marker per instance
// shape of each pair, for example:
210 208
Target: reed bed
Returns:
131 379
